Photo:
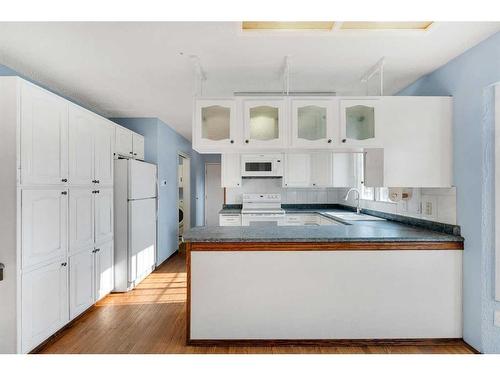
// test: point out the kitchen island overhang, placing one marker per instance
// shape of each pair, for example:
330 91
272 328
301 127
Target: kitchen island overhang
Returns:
273 292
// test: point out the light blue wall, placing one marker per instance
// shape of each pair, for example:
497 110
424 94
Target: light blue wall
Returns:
466 78
162 145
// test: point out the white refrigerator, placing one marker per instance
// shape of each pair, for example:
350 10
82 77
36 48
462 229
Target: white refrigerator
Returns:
135 213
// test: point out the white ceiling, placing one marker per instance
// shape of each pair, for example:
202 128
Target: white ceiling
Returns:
137 69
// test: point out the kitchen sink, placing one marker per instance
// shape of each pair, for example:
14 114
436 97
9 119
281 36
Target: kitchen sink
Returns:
353 216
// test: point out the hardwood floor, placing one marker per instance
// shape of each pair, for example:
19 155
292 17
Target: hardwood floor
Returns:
151 319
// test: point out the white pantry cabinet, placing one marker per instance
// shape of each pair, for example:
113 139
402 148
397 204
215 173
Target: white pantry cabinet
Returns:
103 270
359 122
44 303
265 122
104 145
215 125
81 282
138 146
297 170
124 142
314 123
44 137
231 170
103 199
44 225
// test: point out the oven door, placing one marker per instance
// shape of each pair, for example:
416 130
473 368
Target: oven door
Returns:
262 220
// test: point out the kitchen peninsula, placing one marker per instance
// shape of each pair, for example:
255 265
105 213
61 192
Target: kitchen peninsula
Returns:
364 280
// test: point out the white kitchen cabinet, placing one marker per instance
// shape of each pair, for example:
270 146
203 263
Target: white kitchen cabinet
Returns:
215 125
264 122
230 220
81 131
138 146
297 170
103 199
359 122
81 282
44 225
44 303
103 270
44 137
345 169
81 218
314 123
123 142
104 140
231 170
321 169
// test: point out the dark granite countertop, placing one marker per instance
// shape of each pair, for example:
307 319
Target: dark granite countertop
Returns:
352 231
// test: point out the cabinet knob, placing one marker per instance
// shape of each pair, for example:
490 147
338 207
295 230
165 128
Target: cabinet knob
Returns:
64 192
329 141
246 140
64 180
231 141
131 153
97 181
135 153
97 250
344 140
97 191
64 264
314 184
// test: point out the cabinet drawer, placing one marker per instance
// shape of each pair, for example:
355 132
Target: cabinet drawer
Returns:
230 220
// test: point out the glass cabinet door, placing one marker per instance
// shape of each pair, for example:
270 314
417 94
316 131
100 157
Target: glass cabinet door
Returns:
214 123
263 121
312 123
358 121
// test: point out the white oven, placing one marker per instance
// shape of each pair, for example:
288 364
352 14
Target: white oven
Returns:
262 165
262 210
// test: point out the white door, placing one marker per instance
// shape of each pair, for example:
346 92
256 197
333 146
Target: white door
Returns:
44 225
231 170
358 122
81 219
81 146
142 237
123 142
297 170
313 124
141 180
103 199
214 194
103 151
81 282
44 137
103 268
138 146
263 120
321 169
44 303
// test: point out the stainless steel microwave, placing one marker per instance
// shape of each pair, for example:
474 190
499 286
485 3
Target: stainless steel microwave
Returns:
262 165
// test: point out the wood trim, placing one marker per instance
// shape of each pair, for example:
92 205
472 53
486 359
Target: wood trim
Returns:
323 246
328 342
188 287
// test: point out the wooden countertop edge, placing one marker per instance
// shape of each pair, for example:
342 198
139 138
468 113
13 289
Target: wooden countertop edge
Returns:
324 246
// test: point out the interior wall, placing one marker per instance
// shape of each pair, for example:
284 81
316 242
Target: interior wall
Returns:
465 78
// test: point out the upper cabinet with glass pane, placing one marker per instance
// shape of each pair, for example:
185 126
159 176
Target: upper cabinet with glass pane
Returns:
214 124
358 121
264 121
313 123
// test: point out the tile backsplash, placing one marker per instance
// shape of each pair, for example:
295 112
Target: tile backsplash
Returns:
434 204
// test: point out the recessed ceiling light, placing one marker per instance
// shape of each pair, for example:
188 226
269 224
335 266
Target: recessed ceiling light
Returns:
274 25
356 25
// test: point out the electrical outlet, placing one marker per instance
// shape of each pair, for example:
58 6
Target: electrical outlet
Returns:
496 319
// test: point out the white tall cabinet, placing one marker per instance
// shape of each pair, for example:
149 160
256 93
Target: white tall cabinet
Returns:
56 221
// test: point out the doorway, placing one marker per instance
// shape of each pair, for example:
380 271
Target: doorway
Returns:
183 193
214 193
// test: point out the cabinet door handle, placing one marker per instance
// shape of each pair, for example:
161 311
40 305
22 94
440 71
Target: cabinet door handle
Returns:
64 264
97 250
97 181
64 180
344 140
246 141
64 192
329 141
97 191
131 153
231 141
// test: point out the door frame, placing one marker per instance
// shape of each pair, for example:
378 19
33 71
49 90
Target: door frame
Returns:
205 192
187 190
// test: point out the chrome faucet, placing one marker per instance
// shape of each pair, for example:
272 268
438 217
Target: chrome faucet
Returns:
358 210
